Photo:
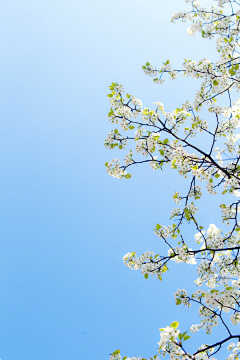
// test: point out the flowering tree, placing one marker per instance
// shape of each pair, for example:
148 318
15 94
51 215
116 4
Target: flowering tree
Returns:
162 138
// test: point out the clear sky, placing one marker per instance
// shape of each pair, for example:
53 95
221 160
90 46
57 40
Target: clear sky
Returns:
64 223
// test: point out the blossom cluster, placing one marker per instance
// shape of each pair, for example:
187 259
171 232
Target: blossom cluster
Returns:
161 137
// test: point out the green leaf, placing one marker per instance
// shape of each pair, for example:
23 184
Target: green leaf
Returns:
158 226
236 66
186 337
164 269
116 352
178 302
231 71
166 141
147 63
222 206
106 164
128 176
162 152
128 96
237 229
131 127
146 276
174 324
215 82
217 175
187 214
125 357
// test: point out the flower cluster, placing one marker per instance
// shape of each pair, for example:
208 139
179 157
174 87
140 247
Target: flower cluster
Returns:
201 149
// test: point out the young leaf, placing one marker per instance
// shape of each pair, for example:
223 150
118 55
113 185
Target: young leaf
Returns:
128 176
174 324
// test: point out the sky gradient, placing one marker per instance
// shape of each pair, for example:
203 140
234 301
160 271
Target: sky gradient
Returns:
64 223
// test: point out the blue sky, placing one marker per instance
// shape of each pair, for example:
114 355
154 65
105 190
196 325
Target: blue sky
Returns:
64 223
